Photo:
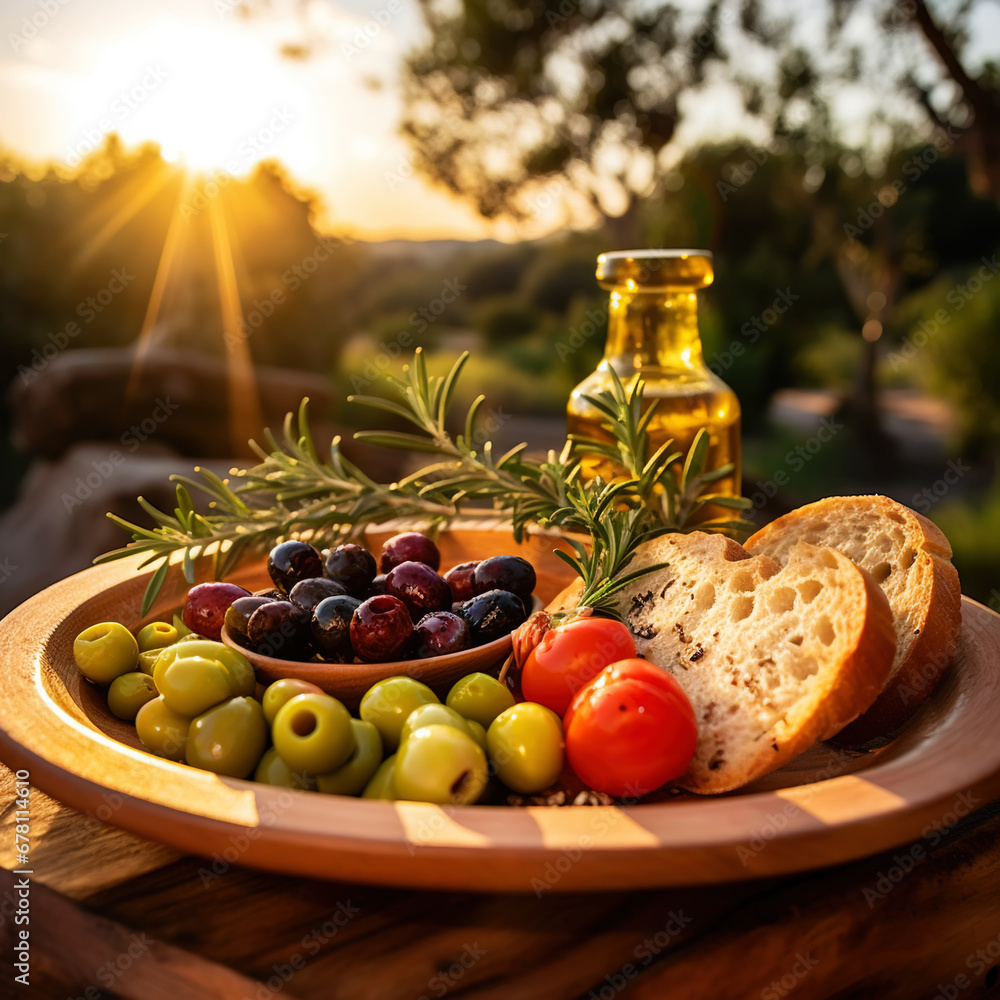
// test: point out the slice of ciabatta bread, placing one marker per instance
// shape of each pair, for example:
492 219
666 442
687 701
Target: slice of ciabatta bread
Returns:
909 557
772 658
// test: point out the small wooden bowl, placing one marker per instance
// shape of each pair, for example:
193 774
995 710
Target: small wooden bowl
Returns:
349 681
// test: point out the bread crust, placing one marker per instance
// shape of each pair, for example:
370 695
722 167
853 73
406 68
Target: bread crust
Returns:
851 691
849 681
932 645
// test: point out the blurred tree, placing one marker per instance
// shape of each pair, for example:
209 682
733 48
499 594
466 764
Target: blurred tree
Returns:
585 96
86 261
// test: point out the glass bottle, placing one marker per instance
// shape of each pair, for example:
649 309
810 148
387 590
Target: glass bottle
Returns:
653 334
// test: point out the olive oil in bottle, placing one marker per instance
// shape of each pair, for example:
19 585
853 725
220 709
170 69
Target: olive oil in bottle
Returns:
653 335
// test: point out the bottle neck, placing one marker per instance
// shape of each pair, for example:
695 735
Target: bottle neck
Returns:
653 329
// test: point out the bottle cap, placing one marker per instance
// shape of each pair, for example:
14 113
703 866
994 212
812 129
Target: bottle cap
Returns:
655 269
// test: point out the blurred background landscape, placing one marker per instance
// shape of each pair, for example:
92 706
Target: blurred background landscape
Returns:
209 209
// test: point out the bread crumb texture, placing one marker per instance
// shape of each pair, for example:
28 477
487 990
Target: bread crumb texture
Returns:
755 645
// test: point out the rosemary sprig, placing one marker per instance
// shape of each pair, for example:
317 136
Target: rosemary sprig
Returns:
291 491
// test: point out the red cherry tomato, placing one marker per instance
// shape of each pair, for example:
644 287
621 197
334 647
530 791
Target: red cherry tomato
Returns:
570 655
630 730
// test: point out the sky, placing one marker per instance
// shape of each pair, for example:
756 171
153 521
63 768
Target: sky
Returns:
212 88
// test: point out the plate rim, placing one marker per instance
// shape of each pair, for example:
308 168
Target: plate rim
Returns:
530 849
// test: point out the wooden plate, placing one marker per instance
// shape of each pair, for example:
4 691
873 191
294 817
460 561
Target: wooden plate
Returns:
827 807
350 681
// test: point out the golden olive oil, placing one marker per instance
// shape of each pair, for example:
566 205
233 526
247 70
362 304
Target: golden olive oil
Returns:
653 335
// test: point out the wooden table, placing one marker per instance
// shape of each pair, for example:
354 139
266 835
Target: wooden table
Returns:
113 915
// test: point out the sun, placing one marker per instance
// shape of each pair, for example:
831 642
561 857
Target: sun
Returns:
213 98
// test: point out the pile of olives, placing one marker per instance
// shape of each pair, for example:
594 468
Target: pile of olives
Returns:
196 700
346 606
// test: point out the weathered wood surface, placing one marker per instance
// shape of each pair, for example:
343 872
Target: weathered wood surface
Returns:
204 931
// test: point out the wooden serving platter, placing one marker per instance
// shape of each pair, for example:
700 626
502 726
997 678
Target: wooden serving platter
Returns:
829 806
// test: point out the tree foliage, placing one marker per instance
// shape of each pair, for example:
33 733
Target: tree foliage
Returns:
504 99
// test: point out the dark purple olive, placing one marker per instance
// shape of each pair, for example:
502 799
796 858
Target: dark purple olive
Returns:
378 585
410 546
272 593
419 588
343 605
280 629
331 625
238 616
308 593
381 629
493 615
292 561
459 578
353 567
440 633
505 573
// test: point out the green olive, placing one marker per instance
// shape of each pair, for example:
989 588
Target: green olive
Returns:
479 697
525 745
387 705
242 681
432 714
147 661
351 778
105 651
284 690
162 730
313 733
229 739
128 693
478 732
156 635
381 786
440 764
193 684
272 770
